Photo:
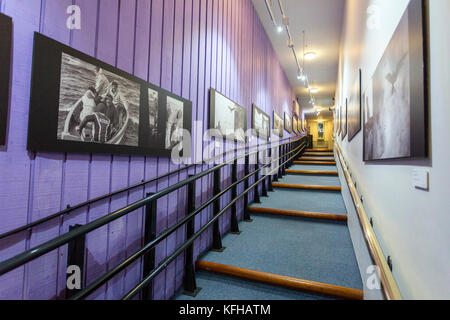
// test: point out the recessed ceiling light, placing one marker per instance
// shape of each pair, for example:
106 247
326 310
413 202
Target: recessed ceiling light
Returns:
310 55
314 90
280 29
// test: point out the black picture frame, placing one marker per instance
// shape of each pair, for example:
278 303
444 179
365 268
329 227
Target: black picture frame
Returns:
344 120
278 125
6 27
44 117
287 123
217 103
354 109
258 132
295 124
415 19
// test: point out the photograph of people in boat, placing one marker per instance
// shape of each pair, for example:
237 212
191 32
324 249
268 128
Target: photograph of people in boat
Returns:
97 106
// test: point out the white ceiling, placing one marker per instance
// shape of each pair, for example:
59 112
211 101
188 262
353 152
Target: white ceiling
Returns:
322 20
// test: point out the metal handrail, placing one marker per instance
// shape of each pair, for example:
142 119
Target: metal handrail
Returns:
165 263
390 288
70 209
50 245
152 244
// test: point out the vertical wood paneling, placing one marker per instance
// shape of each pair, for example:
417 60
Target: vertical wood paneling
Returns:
121 164
184 46
15 163
101 166
76 172
47 179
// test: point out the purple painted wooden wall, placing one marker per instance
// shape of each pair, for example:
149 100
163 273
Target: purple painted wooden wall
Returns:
185 46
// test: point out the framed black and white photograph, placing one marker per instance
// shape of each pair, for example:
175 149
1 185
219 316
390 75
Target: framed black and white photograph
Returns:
154 116
354 110
260 123
295 124
81 104
344 118
228 117
395 101
5 73
96 105
278 125
287 123
174 127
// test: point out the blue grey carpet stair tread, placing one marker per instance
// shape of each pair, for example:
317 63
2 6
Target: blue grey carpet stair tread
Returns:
312 167
222 287
318 157
304 200
315 180
312 250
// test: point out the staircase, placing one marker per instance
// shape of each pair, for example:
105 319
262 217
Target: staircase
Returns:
297 247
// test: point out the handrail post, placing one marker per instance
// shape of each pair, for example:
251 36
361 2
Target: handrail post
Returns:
75 257
150 235
270 170
283 172
280 150
217 238
275 174
234 220
189 283
247 217
256 198
264 183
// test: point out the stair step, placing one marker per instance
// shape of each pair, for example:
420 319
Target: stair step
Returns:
301 248
319 150
306 187
319 154
325 173
316 159
316 162
215 286
307 200
300 214
283 281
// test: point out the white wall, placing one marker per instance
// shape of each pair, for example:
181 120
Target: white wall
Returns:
412 226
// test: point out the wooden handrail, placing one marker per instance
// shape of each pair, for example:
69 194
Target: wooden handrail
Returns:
390 288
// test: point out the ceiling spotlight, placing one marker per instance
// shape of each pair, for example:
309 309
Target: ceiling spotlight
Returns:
279 29
310 55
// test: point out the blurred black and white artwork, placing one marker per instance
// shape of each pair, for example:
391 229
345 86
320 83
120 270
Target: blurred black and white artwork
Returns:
5 73
287 123
174 125
97 106
277 125
344 117
261 123
395 100
295 124
228 117
153 114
